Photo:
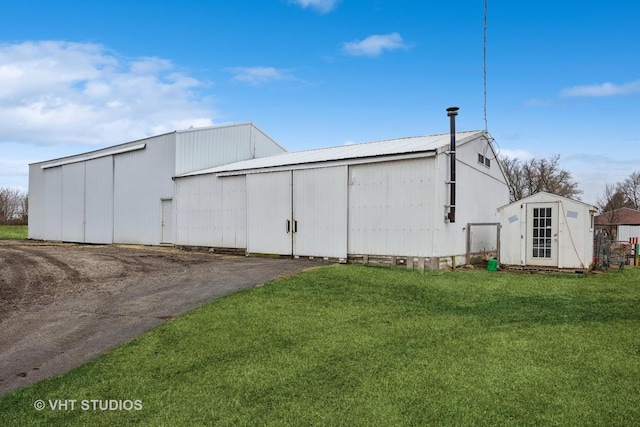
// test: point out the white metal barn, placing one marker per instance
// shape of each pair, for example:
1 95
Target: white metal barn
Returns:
546 230
365 201
125 193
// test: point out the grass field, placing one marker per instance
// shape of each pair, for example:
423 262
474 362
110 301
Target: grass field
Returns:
363 346
13 232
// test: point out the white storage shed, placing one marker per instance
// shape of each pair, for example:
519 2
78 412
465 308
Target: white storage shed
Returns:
380 200
125 193
546 230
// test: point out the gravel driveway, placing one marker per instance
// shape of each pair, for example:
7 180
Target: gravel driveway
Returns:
64 304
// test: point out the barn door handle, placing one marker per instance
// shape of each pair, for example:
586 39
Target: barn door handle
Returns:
288 226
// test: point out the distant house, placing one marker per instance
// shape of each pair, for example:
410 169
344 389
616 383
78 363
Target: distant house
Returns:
547 230
619 224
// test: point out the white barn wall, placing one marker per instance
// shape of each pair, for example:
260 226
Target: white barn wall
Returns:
53 203
320 212
391 208
99 200
37 206
197 149
233 212
141 180
211 211
73 192
479 190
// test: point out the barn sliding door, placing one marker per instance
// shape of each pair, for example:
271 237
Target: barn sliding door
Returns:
542 234
299 213
269 213
320 212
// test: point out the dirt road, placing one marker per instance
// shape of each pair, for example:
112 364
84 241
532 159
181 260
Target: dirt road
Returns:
63 304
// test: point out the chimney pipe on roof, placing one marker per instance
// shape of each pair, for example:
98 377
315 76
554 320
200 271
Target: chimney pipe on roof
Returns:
452 112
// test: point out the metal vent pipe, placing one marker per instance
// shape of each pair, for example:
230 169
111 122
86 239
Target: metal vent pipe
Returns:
452 112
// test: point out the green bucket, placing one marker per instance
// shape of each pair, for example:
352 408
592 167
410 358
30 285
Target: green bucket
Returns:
492 265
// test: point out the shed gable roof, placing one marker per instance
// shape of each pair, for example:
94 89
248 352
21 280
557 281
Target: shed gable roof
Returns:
543 196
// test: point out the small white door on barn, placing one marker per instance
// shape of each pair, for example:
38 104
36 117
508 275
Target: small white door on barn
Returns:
167 221
269 216
542 234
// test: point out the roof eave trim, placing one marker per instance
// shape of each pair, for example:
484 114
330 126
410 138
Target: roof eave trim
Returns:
95 156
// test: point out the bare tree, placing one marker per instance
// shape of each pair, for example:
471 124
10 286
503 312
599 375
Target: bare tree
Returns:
535 175
630 188
12 204
610 203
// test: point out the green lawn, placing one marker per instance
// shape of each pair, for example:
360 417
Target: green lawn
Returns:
13 232
363 346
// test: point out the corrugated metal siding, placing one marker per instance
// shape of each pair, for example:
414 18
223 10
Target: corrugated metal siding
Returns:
624 232
53 203
391 208
141 179
479 191
268 210
73 202
320 212
37 207
233 211
211 211
99 200
205 148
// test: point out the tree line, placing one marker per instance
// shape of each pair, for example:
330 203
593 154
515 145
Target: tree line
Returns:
14 206
545 174
623 194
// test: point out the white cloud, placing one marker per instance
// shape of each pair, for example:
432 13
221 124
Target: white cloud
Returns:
55 92
322 6
604 89
374 45
257 76
516 154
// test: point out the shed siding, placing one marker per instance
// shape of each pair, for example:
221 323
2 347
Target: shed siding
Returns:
391 209
99 200
573 239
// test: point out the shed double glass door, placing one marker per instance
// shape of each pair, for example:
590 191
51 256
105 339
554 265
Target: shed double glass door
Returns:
302 212
542 234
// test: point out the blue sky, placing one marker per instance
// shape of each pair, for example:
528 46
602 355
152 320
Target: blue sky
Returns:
563 77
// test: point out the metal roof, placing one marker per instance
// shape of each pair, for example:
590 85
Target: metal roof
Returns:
390 147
